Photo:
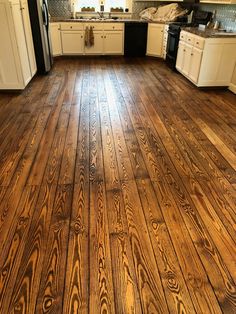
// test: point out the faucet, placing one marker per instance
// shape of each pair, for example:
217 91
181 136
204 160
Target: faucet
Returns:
101 14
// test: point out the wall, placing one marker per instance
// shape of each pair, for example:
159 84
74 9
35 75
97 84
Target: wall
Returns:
225 13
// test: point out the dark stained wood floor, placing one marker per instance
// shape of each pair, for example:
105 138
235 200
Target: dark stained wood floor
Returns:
117 192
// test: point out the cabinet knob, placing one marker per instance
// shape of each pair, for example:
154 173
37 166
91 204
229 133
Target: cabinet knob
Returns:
71 27
191 54
101 36
81 36
105 36
197 43
184 50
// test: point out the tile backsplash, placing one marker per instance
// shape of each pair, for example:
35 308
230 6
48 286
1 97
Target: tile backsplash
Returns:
59 8
225 13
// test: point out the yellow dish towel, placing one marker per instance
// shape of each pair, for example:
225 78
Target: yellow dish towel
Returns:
89 37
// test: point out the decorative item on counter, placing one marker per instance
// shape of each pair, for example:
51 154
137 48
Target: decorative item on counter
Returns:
169 12
117 9
88 9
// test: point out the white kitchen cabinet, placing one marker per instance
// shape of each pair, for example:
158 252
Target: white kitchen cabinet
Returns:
72 42
108 38
206 62
55 32
113 42
97 48
17 59
155 39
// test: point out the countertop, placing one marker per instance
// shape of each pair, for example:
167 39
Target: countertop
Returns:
209 33
106 20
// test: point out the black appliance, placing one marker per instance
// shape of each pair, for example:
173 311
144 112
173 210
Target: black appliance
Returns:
199 17
39 18
172 44
135 39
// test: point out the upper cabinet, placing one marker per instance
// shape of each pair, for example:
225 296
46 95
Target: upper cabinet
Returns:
17 58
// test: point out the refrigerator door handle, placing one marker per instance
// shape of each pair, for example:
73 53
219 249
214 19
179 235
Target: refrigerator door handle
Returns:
45 14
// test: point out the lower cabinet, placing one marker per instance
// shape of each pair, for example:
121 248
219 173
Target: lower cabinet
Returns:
55 32
97 48
72 42
155 39
68 38
206 62
113 42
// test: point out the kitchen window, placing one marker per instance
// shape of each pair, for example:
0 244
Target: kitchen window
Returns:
108 4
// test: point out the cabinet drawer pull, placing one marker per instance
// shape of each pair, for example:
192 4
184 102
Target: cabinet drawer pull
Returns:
81 36
191 54
189 39
184 50
71 27
197 42
101 36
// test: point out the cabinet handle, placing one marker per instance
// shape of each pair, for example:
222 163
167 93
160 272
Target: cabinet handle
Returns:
184 50
197 43
71 27
189 39
81 36
105 36
101 36
191 54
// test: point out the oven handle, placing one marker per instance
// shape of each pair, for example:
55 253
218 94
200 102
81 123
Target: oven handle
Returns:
173 34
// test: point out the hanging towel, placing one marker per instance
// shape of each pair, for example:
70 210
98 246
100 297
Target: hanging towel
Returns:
89 37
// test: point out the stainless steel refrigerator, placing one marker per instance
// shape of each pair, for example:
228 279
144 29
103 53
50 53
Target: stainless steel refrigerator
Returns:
39 18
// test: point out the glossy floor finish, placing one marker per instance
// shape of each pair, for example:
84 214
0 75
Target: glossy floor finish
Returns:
117 192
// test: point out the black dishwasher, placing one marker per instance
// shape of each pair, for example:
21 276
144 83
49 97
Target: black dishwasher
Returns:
135 39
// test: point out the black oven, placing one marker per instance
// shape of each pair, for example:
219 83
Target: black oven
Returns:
172 44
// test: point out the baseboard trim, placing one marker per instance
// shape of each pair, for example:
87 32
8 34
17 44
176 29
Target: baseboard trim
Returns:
232 88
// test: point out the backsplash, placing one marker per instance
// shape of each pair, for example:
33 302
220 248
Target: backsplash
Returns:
59 8
225 13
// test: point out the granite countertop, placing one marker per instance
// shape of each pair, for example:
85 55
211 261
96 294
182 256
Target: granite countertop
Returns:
106 20
209 33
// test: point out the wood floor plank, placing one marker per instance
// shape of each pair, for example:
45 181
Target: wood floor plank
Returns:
22 293
51 289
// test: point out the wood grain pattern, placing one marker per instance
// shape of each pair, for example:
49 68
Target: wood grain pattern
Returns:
117 192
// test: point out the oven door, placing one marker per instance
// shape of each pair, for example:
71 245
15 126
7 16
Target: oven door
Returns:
172 47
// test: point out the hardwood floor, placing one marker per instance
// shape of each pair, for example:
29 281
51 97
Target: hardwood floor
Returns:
117 192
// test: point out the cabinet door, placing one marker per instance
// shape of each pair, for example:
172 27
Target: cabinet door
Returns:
113 42
21 42
155 39
195 64
180 56
72 42
28 36
10 68
97 48
55 39
187 59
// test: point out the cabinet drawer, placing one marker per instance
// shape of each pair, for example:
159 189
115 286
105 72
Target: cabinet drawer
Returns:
72 26
183 36
95 26
199 42
113 26
190 39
